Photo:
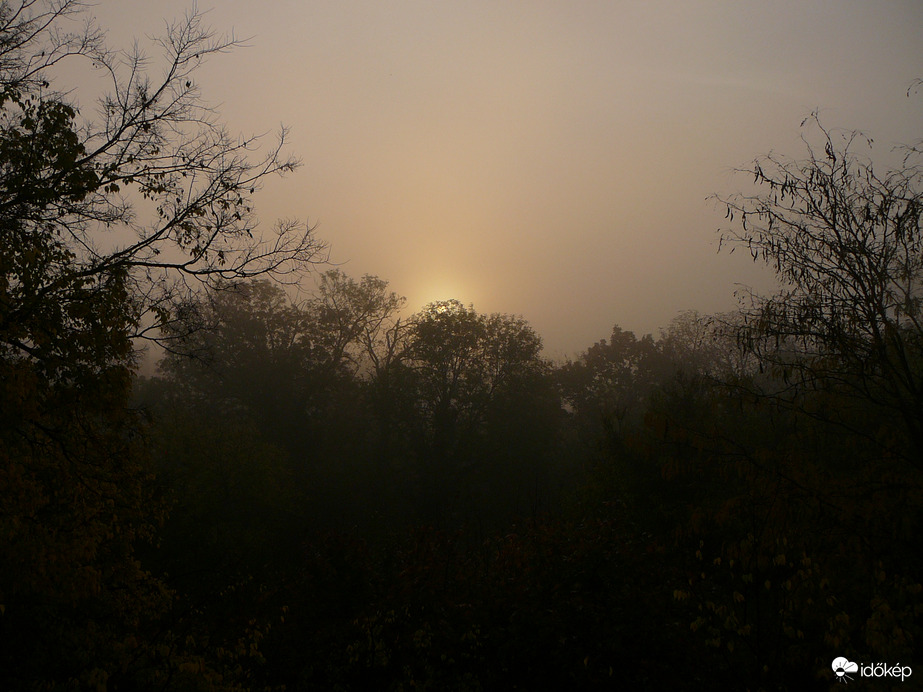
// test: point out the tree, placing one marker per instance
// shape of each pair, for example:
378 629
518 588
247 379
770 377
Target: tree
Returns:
357 321
609 386
295 368
155 188
705 345
845 242
316 379
103 221
233 503
75 498
804 513
447 357
463 361
483 406
358 326
244 349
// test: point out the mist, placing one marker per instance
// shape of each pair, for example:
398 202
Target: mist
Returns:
460 346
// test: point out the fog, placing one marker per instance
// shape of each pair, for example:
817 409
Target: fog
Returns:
541 159
582 350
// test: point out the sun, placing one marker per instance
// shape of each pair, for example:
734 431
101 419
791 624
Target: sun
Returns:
431 289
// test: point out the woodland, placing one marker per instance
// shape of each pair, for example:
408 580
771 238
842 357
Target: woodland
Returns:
327 492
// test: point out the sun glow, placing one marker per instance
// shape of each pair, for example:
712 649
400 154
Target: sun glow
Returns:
436 288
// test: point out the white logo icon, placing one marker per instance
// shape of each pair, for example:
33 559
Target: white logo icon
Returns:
841 666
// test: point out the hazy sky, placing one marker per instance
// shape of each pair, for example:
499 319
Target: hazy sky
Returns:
548 159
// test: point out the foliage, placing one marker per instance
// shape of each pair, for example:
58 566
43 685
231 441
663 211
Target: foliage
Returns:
845 242
802 482
540 607
785 520
464 360
102 220
361 500
358 322
486 413
608 386
154 189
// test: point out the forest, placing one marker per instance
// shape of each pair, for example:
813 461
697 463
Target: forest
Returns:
321 490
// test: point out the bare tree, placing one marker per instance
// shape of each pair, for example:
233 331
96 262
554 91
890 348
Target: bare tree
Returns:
845 242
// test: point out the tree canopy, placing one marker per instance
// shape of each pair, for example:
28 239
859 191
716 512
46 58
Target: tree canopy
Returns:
322 492
107 220
845 241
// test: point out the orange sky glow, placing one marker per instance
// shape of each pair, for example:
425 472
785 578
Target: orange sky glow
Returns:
547 159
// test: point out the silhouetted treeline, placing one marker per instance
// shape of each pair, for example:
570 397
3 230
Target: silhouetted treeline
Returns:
436 504
326 494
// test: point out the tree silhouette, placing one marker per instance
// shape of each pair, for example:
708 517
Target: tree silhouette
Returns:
105 221
845 242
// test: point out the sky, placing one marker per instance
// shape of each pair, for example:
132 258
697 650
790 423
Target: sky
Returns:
546 159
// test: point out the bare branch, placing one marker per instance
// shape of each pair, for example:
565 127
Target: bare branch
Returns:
154 189
846 245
